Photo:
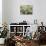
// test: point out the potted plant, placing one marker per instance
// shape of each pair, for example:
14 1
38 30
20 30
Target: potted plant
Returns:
3 33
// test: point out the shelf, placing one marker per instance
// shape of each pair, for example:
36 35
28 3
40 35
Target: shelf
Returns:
12 32
16 32
23 25
19 32
19 27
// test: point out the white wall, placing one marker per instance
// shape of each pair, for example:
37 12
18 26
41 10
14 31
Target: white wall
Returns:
0 13
12 14
4 11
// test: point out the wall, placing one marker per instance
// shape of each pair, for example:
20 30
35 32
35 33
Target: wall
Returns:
4 11
11 11
0 13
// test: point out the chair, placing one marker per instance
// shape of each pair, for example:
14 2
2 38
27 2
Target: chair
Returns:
9 42
42 37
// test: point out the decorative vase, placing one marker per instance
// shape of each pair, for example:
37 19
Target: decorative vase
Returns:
2 40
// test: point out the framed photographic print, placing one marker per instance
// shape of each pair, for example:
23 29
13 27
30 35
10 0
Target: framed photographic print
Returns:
26 9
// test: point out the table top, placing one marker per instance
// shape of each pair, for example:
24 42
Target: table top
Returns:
22 40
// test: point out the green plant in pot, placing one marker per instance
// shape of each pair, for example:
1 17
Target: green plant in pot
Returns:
4 32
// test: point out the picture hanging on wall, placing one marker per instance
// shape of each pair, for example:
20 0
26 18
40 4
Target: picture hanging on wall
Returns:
26 9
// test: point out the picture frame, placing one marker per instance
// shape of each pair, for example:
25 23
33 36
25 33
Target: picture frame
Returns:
26 9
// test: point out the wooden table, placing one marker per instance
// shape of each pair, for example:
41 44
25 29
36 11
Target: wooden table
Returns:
27 43
23 42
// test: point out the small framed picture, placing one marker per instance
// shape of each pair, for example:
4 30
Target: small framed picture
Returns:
26 9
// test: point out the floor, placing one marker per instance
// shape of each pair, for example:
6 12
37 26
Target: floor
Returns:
1 45
42 45
33 45
36 44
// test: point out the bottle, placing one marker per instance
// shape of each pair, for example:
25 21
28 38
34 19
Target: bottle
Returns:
35 21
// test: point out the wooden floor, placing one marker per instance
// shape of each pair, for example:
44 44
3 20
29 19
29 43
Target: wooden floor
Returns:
1 45
42 45
34 44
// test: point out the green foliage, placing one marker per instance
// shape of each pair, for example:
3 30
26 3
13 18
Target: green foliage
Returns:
3 34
